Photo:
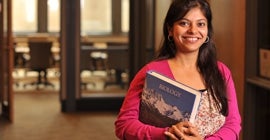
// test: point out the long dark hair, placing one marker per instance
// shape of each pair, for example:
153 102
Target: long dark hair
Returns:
207 58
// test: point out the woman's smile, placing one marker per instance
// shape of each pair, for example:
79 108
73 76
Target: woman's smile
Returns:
191 39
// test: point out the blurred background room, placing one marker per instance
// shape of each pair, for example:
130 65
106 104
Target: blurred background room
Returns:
66 64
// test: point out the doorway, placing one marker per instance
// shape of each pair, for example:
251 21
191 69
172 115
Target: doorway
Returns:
118 78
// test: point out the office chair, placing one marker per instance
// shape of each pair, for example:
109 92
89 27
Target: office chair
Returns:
86 64
117 62
40 61
99 56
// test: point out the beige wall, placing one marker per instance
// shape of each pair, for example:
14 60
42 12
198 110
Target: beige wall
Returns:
161 10
229 28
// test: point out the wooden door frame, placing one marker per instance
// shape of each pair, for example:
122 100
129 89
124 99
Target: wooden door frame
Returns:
7 61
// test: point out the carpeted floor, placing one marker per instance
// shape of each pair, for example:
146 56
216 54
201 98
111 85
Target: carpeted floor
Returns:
38 117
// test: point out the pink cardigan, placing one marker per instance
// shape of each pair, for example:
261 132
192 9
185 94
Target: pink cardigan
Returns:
128 127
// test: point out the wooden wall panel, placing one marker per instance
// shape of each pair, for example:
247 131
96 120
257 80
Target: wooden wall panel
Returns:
229 28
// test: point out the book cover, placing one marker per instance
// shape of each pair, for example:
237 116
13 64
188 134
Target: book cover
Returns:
165 102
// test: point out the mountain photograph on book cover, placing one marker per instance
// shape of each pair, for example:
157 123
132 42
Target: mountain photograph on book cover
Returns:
165 102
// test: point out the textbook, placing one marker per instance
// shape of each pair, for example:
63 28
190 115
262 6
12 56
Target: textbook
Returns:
165 102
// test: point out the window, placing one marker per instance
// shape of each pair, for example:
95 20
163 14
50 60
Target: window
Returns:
24 15
53 15
125 15
96 16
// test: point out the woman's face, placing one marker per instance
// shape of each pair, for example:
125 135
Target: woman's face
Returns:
190 32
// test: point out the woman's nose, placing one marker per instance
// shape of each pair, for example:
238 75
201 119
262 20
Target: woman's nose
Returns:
193 29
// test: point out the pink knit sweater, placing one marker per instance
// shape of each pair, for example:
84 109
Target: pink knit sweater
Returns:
128 126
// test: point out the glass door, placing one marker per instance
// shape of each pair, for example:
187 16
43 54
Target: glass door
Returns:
104 50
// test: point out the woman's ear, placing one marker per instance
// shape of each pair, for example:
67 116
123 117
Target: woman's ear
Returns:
169 28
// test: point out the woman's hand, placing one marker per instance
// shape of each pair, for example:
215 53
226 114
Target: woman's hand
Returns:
183 131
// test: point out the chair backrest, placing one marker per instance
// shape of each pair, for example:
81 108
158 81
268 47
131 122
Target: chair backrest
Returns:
118 55
85 60
40 53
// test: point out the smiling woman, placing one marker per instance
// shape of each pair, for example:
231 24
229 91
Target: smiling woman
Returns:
190 32
187 55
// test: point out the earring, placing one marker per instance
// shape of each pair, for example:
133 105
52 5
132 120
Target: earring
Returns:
207 39
170 38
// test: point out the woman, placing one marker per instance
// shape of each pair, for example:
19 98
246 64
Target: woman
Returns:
187 55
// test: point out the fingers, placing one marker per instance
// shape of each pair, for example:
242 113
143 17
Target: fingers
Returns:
183 131
193 131
175 132
184 127
179 132
186 124
170 135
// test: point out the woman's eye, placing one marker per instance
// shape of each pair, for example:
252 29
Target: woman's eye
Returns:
201 24
184 23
